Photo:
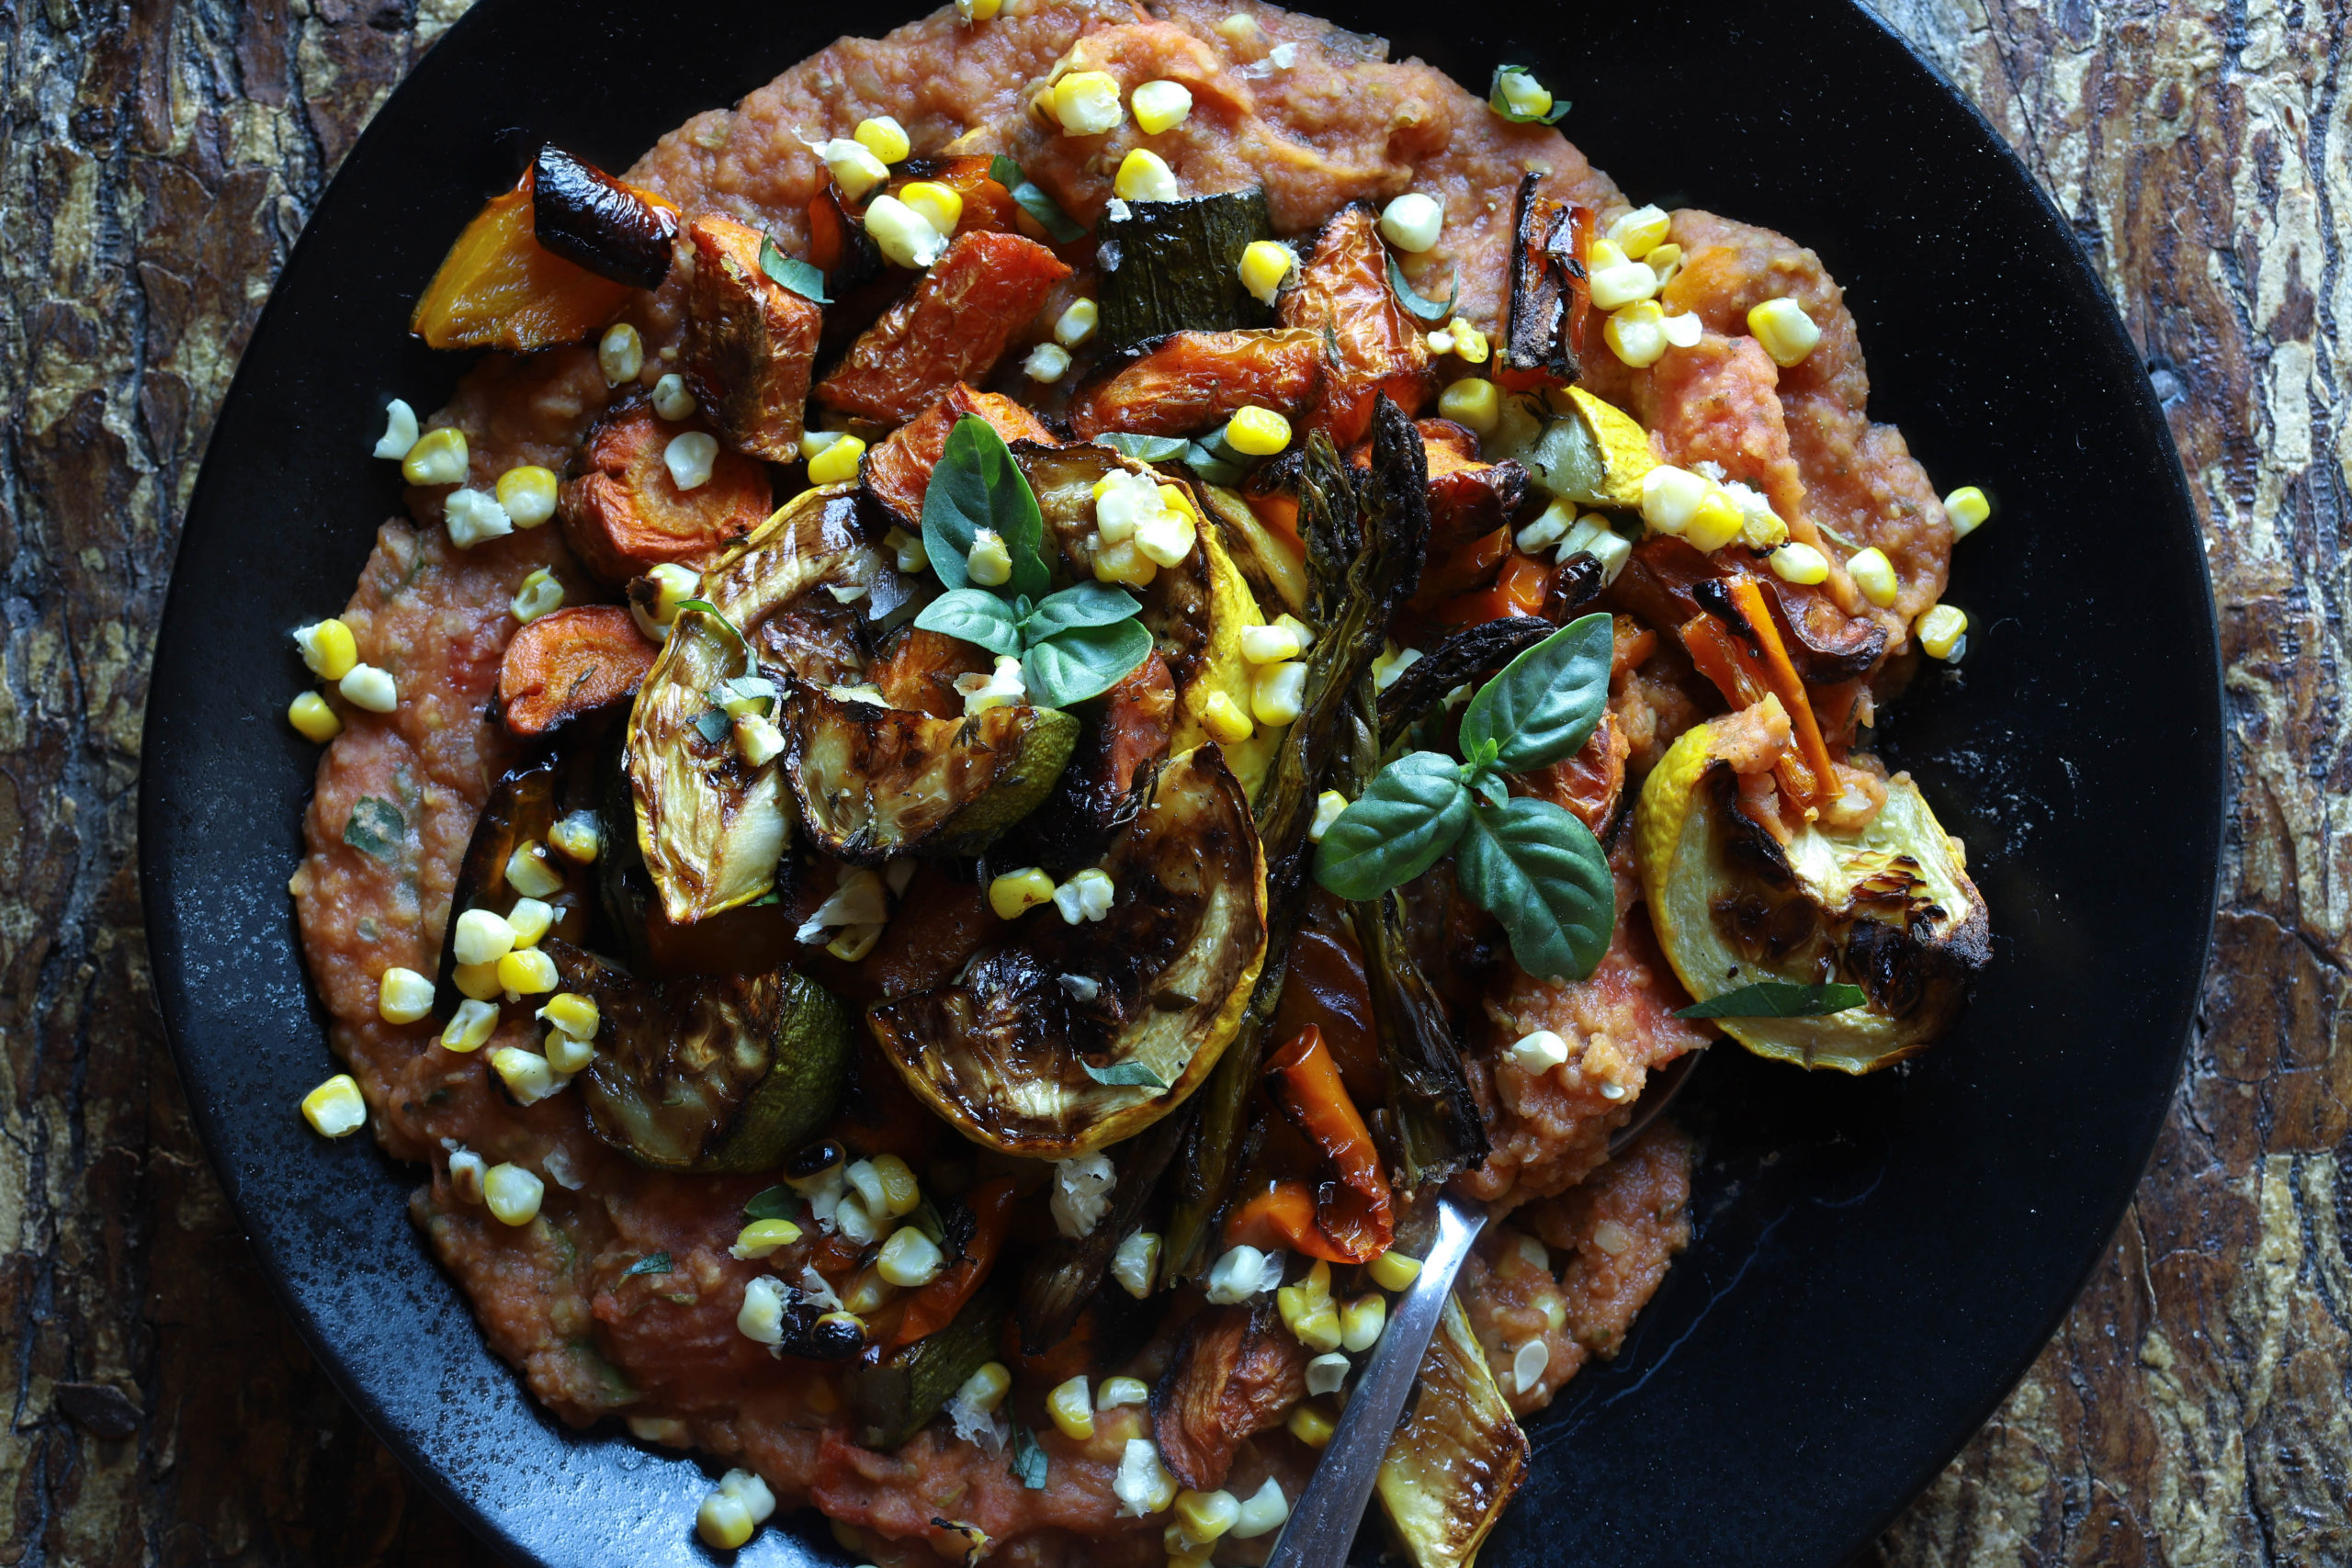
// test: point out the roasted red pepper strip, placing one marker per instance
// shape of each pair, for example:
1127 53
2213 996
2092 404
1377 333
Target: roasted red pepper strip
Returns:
1738 673
1281 1217
1520 589
934 1307
1352 1217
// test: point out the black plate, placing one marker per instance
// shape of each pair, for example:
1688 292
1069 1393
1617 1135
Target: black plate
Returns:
1876 1261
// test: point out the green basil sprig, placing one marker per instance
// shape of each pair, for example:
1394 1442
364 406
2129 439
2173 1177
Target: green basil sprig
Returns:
1777 998
797 275
1530 864
1033 201
976 485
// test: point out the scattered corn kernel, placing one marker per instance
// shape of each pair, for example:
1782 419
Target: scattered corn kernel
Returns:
1165 538
328 648
989 562
1328 808
564 1053
985 1389
912 557
312 718
1135 1263
473 517
577 835
1523 93
1265 266
1257 432
482 937
910 1258
573 1014
400 431
1071 1405
466 1169
403 996
1392 1270
1123 563
1622 283
1017 892
1077 324
1787 334
528 873
1310 1425
540 594
527 493
1222 719
853 942
977 10
904 236
526 1075
620 353
439 457
1269 645
1412 222
1362 1321
1539 1051
1117 1392
1086 102
854 168
1470 345
1640 232
1326 1374
690 458
1715 523
1160 105
942 206
1143 1485
757 740
1207 1514
335 1109
1264 1512
759 1318
478 981
894 1183
1799 563
1473 401
1967 508
1046 363
1671 498
1683 331
529 920
1942 631
733 1510
883 137
364 686
1278 693
1242 1272
1144 175
1874 575
1390 663
1593 536
1001 688
1308 1311
527 973
1636 334
837 464
512 1193
671 401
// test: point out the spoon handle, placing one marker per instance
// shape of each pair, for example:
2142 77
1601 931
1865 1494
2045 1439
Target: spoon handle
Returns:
1322 1524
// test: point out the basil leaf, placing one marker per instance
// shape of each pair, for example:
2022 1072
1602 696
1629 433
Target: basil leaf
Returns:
770 1203
1088 604
1083 662
1777 998
1033 201
797 275
1501 106
976 616
1145 448
1538 870
976 485
1413 812
1427 310
375 827
712 725
1210 469
706 607
1543 704
1125 1074
652 1263
1028 1458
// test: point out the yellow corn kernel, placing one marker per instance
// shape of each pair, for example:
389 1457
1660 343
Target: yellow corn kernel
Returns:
1225 721
529 1077
723 1522
1715 523
985 1389
910 1260
1278 693
512 1194
1269 645
1306 1310
1412 222
1361 1322
527 493
1086 102
837 464
335 1109
478 981
328 647
565 1055
1523 93
1473 401
1942 632
439 457
1124 563
1117 1392
1393 1270
856 942
1077 324
470 1027
1787 334
577 836
1310 1425
1257 433
527 973
883 137
1071 1406
1017 892
1328 807
1636 334
528 873
1640 232
312 718
903 235
942 206
1160 105
901 1192
1205 1516
1166 537
369 687
1470 345
1799 563
1967 508
1874 575
1265 266
979 10
540 594
403 996
483 936
620 353
1144 175
868 1293
990 563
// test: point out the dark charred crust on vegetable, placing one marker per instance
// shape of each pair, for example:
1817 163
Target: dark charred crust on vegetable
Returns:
750 345
522 805
1235 1372
1825 644
1466 655
814 1159
1546 291
1175 265
1575 584
586 216
892 1398
1062 1279
813 1333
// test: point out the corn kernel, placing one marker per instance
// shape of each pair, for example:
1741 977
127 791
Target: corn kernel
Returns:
904 236
883 137
990 560
1269 645
852 166
528 494
901 1192
1160 105
1086 102
1310 1425
572 1014
620 353
912 557
985 1389
335 1109
1076 325
1017 892
364 686
1206 1515
540 594
1624 283
1640 232
1361 1322
328 648
1328 806
1073 1407
482 937
1967 508
1392 1270
470 1027
942 206
1470 345
400 431
1046 363
1715 523
1671 498
1636 334
1473 401
690 456
977 10
528 873
1667 261
312 718
837 464
1124 564
512 1193
757 740
1144 175
478 981
1257 432
910 1258
439 457
1265 1511
564 1053
527 973
1225 721
671 401
473 517
1278 693
1116 1392
1142 1484
1265 266
1166 537
1787 334
1135 1263
1412 222
403 996
1799 563
1523 93
1874 575
1941 632
529 1077
1328 1373
723 1522
1306 1309
530 918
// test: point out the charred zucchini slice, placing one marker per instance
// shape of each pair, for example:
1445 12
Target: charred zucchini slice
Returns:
877 782
1171 265
722 1072
1067 1038
1458 1458
894 1398
1889 909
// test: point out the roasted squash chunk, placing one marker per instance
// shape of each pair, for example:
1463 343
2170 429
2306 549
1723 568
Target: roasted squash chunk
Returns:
499 288
899 470
1189 381
954 327
1343 289
749 344
1459 1455
1235 1373
624 515
580 660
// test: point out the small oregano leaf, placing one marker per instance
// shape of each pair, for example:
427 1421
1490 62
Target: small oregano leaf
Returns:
1544 704
1537 869
652 1263
1413 811
770 1203
1028 1456
375 827
1124 1075
976 616
976 485
1426 310
1778 998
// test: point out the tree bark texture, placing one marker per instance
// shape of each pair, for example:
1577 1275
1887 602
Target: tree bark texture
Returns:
159 159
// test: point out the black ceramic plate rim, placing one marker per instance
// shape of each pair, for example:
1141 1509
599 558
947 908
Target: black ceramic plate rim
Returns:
432 1470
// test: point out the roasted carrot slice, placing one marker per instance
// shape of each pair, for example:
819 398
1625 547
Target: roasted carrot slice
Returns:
750 343
624 515
499 288
1343 289
954 327
899 470
574 661
1189 381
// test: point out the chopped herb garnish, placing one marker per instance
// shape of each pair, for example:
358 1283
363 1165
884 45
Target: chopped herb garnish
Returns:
1124 1075
652 1263
1145 448
1033 201
375 827
1426 310
770 1203
797 275
1028 1458
1777 998
711 725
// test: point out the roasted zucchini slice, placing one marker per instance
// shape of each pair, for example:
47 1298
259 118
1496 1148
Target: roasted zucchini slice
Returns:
875 782
721 1073
1889 909
1016 1054
894 1397
1168 266
1460 1455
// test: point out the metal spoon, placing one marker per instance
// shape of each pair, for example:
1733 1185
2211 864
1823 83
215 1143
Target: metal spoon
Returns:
1322 1524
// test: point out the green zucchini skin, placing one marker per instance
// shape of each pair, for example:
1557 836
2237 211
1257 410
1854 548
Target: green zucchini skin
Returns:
892 1399
1176 265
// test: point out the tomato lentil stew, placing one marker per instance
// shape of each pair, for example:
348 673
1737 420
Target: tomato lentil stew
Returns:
1162 636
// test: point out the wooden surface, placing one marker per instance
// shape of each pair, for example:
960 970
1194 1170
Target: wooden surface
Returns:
159 161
